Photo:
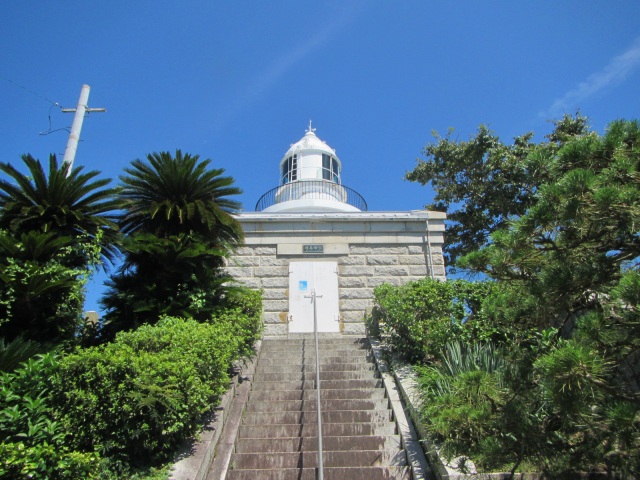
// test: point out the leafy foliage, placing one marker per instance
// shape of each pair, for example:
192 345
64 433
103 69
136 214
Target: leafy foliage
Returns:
13 353
176 276
101 412
180 229
242 308
421 317
108 411
462 394
137 398
483 183
32 439
565 269
41 296
54 227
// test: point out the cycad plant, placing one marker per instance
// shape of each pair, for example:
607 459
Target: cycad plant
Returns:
180 226
462 395
63 202
171 195
13 353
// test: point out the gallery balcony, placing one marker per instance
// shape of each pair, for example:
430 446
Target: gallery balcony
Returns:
311 196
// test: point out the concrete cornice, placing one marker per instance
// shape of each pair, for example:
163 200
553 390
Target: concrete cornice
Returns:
402 216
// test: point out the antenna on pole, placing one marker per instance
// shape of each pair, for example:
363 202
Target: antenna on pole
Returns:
76 126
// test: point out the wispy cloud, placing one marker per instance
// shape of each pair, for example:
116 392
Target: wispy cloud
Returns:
614 73
277 69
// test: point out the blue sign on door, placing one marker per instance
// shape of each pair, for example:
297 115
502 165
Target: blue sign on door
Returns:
302 285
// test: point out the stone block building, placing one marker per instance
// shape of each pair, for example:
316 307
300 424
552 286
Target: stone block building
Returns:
312 246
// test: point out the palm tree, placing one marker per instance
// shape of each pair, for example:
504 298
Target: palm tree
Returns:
180 226
67 203
179 195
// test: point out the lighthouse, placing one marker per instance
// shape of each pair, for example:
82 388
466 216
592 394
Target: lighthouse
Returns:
310 181
313 234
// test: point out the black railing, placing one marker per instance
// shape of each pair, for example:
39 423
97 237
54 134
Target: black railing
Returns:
313 190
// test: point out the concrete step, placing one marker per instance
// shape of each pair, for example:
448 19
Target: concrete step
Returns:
312 361
296 444
321 341
310 335
310 394
335 473
322 347
358 458
311 347
311 430
336 367
339 375
277 438
339 416
312 405
306 384
310 358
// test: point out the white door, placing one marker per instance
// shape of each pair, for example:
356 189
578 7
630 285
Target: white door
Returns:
304 277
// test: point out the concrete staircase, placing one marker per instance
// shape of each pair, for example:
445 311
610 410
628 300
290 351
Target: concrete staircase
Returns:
277 438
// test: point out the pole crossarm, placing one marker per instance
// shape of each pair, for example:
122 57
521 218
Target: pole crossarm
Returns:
86 109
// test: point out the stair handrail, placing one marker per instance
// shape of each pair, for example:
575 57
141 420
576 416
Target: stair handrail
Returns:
313 297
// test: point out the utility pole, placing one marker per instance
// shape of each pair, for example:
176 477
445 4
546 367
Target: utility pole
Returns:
76 126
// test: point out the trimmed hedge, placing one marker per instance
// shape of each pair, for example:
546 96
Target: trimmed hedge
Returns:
242 308
138 398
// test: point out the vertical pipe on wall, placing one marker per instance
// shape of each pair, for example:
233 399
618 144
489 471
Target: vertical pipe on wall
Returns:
430 257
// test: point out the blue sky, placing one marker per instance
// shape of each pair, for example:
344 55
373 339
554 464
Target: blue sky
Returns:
238 81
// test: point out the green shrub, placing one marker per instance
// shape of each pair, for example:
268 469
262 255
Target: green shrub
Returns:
464 398
32 439
42 279
416 316
242 307
18 461
139 397
247 300
420 317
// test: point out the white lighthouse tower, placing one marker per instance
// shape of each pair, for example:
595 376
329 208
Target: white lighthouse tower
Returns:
313 233
310 181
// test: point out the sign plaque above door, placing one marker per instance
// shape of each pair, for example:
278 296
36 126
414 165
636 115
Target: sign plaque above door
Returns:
313 248
299 249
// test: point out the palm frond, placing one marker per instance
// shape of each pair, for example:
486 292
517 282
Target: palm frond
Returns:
172 194
74 205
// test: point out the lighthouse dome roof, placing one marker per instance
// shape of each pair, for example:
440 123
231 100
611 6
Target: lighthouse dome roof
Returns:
310 181
310 142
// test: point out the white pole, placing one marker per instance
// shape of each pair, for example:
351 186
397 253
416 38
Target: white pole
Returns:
315 331
314 297
76 126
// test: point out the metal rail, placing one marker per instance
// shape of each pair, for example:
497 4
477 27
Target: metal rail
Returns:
311 189
314 298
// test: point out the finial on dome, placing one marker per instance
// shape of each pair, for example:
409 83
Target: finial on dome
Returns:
310 129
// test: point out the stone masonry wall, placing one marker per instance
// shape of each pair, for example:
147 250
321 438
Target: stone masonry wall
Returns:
365 267
370 265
